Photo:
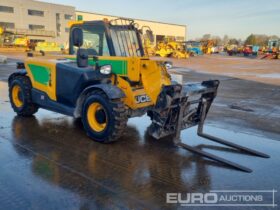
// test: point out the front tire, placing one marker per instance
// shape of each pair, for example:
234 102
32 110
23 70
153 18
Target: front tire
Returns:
20 96
104 120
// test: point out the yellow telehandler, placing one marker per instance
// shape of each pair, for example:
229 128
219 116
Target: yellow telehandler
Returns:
107 79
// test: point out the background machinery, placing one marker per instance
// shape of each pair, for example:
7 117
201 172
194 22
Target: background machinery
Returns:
274 48
274 45
10 39
232 49
171 48
107 79
179 49
148 41
148 47
251 50
193 48
207 46
272 51
163 49
47 47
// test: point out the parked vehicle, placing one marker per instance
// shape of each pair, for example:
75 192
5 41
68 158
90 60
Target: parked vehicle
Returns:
194 47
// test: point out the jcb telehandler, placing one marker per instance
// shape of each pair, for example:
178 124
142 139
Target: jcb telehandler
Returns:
106 79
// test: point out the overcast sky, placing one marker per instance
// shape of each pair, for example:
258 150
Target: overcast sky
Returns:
236 18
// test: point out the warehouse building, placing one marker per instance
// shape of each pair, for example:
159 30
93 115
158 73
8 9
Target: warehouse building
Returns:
160 29
37 20
41 21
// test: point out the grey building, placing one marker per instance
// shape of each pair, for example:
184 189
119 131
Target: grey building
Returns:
37 20
42 21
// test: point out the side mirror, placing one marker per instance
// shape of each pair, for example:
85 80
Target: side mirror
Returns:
150 35
77 37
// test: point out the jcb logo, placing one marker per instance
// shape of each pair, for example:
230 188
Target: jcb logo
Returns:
142 99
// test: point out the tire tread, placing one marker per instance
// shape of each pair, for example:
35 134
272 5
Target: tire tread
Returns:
119 113
29 108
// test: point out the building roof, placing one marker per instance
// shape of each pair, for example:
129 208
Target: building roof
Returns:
60 5
153 21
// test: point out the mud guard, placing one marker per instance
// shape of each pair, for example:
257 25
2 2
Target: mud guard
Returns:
110 90
21 72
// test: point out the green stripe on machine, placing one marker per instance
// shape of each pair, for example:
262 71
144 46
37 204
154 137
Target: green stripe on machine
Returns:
118 66
41 74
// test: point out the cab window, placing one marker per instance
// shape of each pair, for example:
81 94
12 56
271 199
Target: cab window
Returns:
95 41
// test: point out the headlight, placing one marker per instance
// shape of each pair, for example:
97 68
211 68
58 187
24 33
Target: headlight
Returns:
168 65
106 69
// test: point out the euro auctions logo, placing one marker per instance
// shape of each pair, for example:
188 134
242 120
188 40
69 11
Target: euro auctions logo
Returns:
264 198
192 198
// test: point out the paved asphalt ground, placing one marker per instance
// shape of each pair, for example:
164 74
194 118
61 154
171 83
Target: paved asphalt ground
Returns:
47 161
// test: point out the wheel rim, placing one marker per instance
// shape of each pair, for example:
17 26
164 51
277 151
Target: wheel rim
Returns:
96 116
17 96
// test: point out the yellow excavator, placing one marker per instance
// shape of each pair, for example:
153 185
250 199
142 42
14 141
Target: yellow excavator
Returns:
171 48
163 50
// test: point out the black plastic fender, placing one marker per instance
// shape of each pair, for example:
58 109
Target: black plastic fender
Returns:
112 92
22 72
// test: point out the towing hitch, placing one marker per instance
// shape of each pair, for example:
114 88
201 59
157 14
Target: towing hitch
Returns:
189 108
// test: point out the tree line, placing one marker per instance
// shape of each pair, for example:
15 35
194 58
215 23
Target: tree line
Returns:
252 39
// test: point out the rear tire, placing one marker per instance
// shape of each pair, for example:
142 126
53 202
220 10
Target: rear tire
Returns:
104 120
20 96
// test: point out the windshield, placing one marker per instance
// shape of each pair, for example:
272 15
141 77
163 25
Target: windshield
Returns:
193 44
196 44
125 42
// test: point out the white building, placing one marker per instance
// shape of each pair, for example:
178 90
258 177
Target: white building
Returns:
42 21
160 29
37 20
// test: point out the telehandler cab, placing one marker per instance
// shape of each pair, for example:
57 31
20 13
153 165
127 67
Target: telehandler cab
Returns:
107 79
